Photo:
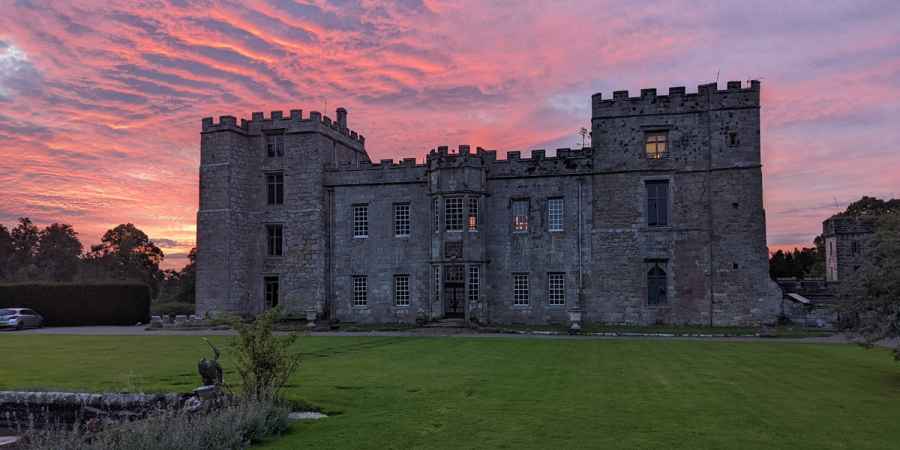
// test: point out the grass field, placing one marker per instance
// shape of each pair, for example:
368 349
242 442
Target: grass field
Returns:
400 392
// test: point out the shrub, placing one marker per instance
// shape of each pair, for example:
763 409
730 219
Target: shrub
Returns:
264 361
235 426
173 308
80 303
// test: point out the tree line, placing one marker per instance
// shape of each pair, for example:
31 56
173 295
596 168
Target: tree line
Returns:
55 254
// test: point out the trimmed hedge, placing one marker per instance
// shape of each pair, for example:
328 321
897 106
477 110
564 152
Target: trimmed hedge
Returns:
80 303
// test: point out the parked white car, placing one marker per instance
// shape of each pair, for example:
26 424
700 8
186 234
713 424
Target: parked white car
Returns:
20 318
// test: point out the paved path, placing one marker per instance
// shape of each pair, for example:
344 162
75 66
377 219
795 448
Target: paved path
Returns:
424 332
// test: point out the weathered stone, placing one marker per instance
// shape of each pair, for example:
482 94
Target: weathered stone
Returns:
712 252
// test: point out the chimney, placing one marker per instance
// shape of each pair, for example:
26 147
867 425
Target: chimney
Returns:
342 118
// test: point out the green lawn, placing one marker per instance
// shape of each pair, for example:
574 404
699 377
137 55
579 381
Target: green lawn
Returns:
402 392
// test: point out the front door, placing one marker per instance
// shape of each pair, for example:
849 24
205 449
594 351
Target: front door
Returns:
454 287
454 305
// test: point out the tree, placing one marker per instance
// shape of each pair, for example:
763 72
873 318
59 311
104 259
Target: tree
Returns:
25 237
871 206
6 252
125 252
872 294
58 252
799 263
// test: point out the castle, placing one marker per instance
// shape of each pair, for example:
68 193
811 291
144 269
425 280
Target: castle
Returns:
660 221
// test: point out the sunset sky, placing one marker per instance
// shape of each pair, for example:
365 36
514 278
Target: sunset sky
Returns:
100 102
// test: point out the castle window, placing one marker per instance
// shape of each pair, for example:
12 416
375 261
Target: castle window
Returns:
360 221
436 278
453 213
473 214
658 203
401 290
732 139
474 283
656 286
401 219
455 274
854 248
275 188
436 210
656 144
271 290
360 290
520 289
555 208
274 145
556 289
274 239
520 216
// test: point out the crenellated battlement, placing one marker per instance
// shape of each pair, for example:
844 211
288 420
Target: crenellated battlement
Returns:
293 122
708 96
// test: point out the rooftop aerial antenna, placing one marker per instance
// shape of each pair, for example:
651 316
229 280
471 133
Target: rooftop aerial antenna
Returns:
717 76
583 132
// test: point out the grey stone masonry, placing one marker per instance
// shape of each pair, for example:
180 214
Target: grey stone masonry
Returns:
659 221
846 245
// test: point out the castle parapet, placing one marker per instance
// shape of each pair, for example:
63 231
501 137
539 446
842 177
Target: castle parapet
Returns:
708 96
293 123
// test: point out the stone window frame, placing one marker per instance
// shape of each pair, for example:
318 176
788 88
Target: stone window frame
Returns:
645 184
520 289
657 276
436 214
518 221
454 209
472 214
556 288
359 221
274 141
558 225
473 288
402 221
401 290
274 240
360 291
658 138
274 187
271 295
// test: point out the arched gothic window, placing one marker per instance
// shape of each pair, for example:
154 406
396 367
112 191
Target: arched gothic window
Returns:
656 286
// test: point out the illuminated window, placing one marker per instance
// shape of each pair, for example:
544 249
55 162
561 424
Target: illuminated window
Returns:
361 221
401 219
360 290
556 289
473 214
274 145
520 216
656 144
453 214
520 289
401 290
555 208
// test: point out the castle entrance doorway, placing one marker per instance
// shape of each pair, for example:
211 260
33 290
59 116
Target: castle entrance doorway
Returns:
454 290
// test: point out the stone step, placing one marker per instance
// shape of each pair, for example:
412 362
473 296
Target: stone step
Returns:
447 323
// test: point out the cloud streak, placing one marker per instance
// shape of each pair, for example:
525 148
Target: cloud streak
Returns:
100 102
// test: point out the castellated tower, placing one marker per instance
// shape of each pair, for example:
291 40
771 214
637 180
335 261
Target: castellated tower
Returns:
261 227
695 159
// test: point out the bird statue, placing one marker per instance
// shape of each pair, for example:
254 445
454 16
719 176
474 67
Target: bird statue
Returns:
210 370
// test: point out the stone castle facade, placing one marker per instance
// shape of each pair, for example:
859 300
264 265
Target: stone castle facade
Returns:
660 221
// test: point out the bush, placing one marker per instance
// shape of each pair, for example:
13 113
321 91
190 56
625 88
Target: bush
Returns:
264 361
81 303
173 308
235 426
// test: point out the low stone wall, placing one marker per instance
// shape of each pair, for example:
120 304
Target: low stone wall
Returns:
21 411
